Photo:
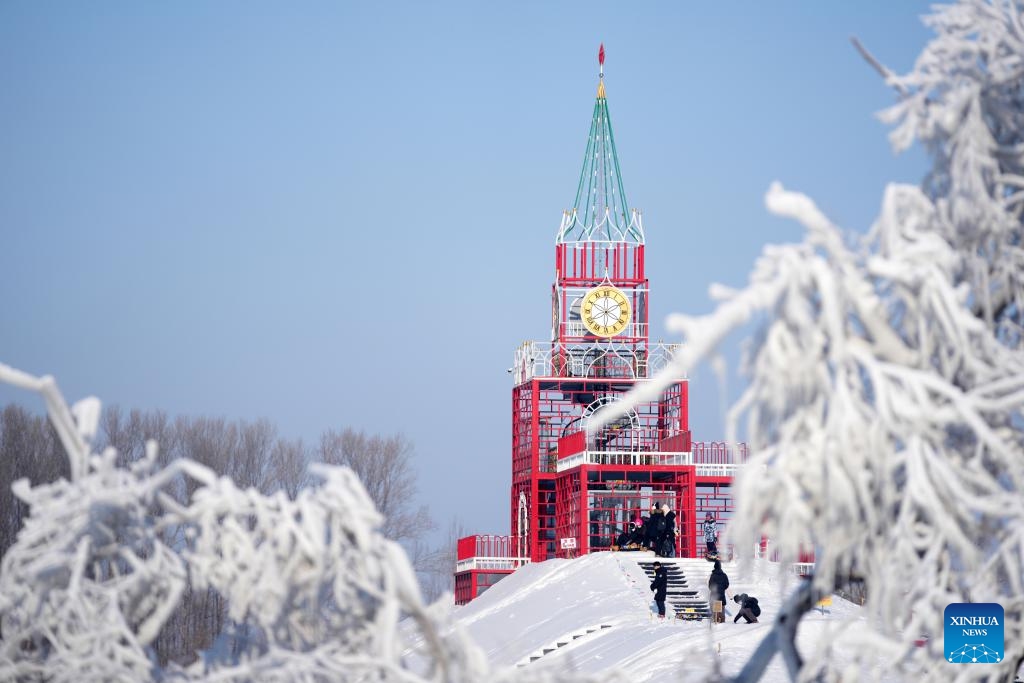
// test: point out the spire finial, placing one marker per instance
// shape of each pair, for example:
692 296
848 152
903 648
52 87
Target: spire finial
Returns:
600 61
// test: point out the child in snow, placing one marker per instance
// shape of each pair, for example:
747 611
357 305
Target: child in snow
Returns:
710 527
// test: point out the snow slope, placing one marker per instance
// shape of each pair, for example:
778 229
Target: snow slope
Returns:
599 608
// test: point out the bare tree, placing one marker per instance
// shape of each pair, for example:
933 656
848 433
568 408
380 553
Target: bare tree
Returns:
128 432
288 461
384 466
435 565
254 456
29 449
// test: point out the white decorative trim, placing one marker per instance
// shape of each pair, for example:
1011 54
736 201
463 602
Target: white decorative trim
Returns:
616 360
572 222
491 563
646 458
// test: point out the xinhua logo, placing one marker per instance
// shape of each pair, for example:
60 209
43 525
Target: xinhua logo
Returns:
973 633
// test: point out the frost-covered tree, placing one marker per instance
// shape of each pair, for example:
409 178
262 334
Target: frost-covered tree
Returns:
885 404
313 589
251 454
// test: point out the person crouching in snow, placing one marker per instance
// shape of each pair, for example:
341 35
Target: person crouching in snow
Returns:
749 609
630 539
660 588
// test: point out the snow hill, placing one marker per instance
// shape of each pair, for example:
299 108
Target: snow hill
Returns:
594 613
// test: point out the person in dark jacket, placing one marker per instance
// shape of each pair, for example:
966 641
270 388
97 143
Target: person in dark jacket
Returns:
717 584
667 541
631 539
636 537
653 528
660 588
749 609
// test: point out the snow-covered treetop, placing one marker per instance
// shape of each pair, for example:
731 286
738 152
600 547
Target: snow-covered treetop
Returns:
963 101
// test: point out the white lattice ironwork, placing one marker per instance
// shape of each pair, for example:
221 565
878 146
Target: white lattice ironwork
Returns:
491 563
611 360
647 458
576 328
601 226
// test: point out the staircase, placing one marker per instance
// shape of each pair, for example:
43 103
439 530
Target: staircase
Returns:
568 639
687 584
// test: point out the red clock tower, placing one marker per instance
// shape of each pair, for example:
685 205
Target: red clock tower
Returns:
573 493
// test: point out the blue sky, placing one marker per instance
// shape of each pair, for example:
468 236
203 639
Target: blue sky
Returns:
334 214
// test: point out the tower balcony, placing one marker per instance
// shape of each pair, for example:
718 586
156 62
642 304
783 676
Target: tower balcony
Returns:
714 459
648 458
607 359
483 560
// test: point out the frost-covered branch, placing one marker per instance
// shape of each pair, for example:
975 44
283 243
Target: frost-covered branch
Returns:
313 590
884 407
781 639
89 582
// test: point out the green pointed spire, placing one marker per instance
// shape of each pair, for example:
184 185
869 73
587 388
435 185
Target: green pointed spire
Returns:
600 212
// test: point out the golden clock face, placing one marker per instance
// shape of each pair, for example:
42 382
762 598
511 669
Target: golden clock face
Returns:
605 311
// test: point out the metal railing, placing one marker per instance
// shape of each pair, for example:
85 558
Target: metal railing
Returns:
717 470
647 458
625 435
607 360
491 563
574 328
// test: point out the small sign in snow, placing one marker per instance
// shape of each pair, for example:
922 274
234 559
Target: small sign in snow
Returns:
568 543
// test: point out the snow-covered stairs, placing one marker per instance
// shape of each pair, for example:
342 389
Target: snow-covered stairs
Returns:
569 639
682 597
687 583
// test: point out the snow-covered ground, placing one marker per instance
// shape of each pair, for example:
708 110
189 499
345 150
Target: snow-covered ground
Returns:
600 607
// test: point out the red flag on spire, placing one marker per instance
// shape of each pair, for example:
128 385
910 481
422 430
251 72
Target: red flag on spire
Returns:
600 55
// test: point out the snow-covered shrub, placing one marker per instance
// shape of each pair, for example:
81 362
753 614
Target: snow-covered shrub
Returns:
885 404
314 591
87 585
